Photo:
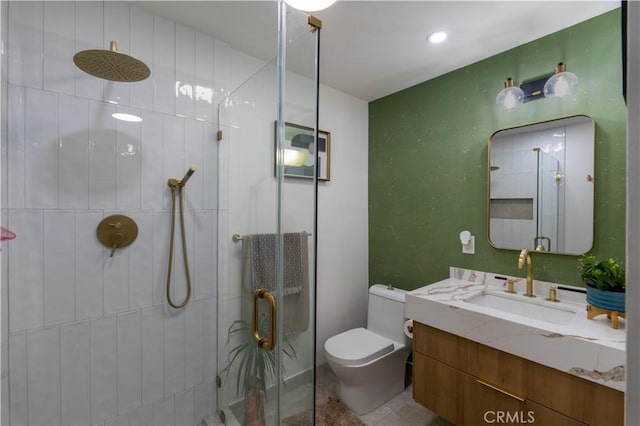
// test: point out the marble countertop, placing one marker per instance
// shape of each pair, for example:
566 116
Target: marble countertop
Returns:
591 349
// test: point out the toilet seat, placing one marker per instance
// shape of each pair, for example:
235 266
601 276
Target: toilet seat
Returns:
357 346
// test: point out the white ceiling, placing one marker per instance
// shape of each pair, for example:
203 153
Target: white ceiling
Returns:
370 49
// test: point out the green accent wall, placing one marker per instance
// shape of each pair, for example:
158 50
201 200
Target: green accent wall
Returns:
428 158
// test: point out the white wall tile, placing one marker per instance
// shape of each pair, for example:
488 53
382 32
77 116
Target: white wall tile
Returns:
194 347
89 31
210 345
25 270
59 46
129 362
203 91
221 71
141 262
142 49
16 146
173 152
116 276
41 149
59 263
185 71
122 420
142 416
164 63
194 155
184 409
161 231
204 253
154 184
163 413
102 156
43 376
152 355
128 176
116 28
203 405
174 357
18 378
104 396
25 43
75 376
89 265
179 278
74 152
210 161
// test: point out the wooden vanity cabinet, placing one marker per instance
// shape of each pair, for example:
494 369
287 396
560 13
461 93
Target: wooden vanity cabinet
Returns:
468 383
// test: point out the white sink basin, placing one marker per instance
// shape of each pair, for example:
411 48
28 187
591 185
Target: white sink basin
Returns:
522 306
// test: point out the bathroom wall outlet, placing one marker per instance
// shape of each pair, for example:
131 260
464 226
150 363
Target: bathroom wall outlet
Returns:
470 247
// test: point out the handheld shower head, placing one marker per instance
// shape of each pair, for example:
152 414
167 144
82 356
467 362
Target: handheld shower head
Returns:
175 183
187 175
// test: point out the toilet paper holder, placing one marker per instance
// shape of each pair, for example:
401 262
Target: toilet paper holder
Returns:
408 328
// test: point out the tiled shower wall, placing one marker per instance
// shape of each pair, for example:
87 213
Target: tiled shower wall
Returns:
91 340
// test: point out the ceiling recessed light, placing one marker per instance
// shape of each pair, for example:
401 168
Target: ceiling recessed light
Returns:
437 37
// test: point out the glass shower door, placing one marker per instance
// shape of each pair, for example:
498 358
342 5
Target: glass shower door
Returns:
266 231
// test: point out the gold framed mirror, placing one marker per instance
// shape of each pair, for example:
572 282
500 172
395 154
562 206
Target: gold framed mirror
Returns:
540 186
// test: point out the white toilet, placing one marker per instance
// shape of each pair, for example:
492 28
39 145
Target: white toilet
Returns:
369 363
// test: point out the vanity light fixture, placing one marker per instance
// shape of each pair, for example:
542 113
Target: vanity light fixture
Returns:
559 84
562 83
511 96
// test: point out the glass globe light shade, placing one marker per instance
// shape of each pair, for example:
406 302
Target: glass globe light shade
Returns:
310 5
511 96
561 84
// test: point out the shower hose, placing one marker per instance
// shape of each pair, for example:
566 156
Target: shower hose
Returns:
178 186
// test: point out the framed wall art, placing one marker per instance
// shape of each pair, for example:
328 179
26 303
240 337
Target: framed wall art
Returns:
300 152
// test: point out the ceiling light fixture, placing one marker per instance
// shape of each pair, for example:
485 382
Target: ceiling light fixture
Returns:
310 5
437 37
556 85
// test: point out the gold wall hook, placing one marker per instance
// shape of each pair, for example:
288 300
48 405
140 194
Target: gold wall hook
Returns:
117 231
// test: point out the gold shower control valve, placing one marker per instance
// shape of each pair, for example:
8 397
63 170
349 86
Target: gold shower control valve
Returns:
116 232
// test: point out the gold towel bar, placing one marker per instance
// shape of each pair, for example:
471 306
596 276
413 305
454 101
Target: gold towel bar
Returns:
238 237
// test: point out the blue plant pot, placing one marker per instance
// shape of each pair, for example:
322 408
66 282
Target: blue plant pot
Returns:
609 300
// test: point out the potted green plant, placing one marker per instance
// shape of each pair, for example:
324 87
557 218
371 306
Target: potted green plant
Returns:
605 280
254 366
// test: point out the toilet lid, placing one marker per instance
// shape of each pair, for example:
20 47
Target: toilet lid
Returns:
357 346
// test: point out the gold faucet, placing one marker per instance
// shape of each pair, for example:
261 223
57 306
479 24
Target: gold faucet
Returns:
525 257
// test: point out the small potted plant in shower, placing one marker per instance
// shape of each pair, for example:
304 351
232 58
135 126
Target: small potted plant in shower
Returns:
252 367
605 280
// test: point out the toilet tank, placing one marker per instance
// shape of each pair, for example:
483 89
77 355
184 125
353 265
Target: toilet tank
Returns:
385 315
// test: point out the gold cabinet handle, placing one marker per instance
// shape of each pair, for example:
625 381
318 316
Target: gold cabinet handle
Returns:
494 387
269 343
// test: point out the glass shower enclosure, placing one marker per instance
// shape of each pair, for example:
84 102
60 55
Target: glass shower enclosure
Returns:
267 233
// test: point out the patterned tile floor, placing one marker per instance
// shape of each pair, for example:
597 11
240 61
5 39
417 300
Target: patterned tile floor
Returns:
400 411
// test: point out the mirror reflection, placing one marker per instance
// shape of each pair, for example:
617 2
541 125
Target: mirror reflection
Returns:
540 186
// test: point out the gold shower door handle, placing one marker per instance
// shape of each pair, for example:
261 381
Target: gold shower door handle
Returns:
266 344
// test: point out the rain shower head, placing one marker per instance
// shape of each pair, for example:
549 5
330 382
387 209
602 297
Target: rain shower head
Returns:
111 65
